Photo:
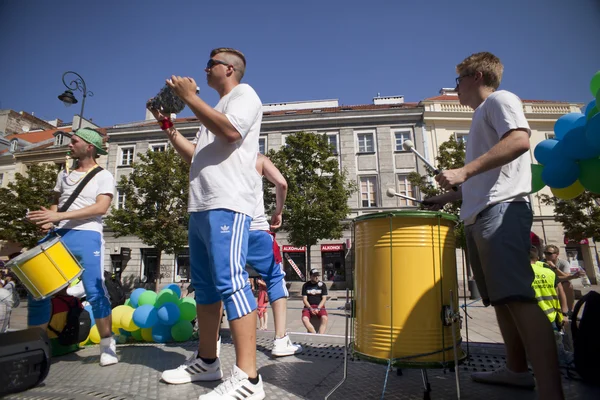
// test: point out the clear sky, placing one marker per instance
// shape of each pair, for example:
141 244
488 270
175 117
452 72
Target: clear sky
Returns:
296 50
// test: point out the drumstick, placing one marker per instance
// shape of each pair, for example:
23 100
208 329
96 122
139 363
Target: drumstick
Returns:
408 145
392 193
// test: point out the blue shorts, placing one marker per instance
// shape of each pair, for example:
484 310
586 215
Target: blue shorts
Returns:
218 246
498 244
262 259
88 248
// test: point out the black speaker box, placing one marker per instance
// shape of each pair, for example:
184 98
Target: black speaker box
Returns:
24 360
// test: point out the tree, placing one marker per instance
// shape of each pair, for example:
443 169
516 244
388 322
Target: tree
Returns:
318 191
155 207
26 192
580 217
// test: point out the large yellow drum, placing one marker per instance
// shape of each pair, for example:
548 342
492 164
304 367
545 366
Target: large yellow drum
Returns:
46 269
405 273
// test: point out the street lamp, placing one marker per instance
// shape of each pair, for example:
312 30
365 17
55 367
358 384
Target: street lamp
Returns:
76 84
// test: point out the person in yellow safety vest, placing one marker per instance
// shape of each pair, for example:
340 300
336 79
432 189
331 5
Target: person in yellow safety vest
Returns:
544 286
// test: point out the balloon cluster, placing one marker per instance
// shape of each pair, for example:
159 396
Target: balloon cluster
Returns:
570 163
151 317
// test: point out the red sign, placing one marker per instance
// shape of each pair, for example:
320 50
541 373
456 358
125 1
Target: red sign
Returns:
332 247
571 241
292 249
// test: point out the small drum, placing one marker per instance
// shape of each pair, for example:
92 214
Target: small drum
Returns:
46 269
405 273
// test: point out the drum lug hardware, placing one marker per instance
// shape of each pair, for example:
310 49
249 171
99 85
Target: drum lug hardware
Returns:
449 317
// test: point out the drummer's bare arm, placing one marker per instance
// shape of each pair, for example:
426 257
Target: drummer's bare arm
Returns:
437 202
44 216
183 146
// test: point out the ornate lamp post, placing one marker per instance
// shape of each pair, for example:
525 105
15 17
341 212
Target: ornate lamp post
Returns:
76 84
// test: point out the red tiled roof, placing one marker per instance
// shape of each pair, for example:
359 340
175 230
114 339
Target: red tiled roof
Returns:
36 137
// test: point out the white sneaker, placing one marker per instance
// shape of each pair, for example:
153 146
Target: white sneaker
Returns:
236 387
284 347
108 352
194 369
504 376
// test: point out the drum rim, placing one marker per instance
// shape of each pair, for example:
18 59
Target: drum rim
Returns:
33 252
408 213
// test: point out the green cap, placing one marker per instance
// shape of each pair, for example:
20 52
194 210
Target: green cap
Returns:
93 138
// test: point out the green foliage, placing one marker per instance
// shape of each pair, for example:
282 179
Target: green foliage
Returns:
318 192
580 217
26 192
451 155
156 195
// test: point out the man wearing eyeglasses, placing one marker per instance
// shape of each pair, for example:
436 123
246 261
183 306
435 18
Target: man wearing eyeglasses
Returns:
562 269
498 219
221 203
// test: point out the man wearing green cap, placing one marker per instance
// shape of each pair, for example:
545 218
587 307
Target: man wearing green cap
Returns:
80 228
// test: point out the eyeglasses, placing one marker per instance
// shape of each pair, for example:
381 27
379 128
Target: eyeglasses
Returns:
460 78
212 62
549 252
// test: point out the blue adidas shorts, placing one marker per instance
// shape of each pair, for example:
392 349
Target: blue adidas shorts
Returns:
218 247
261 257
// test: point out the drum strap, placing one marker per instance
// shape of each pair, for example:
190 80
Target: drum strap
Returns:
79 188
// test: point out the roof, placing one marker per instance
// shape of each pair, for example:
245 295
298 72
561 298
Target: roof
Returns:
343 108
446 97
36 137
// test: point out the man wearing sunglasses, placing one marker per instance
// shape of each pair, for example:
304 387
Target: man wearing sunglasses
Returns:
562 269
498 217
221 203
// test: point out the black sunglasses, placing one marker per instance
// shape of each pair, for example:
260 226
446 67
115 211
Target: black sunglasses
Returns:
460 78
212 62
549 252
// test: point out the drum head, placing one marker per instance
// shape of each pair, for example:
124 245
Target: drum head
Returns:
409 214
29 254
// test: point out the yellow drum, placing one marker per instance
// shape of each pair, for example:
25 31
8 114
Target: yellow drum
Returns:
405 273
46 269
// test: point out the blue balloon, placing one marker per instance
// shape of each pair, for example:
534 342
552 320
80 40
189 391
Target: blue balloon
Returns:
168 314
145 316
567 122
543 151
161 333
88 308
575 145
135 296
590 107
175 288
592 131
560 173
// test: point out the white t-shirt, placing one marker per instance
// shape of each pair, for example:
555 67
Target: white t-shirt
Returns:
259 219
223 174
102 183
500 113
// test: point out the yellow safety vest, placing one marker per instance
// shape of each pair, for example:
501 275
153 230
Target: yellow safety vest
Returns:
545 292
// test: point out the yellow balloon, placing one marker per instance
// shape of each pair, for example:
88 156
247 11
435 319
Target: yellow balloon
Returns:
127 321
147 334
115 329
85 342
570 192
94 334
117 312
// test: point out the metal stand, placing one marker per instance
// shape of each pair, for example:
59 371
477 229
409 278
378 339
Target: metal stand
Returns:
426 385
348 314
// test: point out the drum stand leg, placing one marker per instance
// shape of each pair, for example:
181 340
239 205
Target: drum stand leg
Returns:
348 312
456 316
426 385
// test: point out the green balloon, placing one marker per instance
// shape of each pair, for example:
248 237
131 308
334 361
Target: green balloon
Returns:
536 178
166 296
137 335
128 303
595 84
182 331
589 175
187 309
593 111
148 297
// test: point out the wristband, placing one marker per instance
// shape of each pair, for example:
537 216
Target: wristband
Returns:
165 124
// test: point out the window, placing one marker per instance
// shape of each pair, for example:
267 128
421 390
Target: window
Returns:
368 191
158 147
399 138
262 145
405 188
120 200
59 139
461 137
183 265
126 155
365 142
13 145
550 135
332 139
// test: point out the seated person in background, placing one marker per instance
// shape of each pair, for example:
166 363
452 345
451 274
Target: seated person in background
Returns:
314 296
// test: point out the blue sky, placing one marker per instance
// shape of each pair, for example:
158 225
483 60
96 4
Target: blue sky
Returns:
348 50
